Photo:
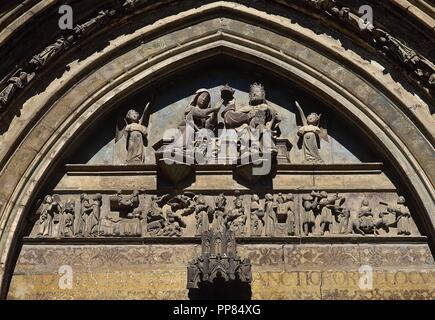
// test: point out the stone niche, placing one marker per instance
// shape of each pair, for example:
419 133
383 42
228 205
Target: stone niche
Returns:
128 222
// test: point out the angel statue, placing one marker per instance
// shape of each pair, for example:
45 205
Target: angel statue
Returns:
310 133
130 136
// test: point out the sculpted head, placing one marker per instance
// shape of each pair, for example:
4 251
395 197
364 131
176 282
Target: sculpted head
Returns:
313 118
201 199
401 200
307 197
257 94
48 199
132 116
202 99
365 203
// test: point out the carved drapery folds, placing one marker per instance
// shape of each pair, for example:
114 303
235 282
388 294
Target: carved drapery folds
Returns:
228 133
278 215
218 259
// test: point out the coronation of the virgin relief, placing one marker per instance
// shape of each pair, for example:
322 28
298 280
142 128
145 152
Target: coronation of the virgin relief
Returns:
217 149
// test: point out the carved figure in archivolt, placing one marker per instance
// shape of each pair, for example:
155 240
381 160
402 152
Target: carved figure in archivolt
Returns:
17 81
89 215
40 60
257 216
49 216
310 132
131 134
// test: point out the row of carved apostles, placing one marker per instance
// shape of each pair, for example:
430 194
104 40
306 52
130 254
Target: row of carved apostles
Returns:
245 215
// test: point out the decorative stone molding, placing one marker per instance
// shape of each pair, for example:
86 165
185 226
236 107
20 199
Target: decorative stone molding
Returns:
419 69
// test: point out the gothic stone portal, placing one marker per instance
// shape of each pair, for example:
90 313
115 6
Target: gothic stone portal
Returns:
246 165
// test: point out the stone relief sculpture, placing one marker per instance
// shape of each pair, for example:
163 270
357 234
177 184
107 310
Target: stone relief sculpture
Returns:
246 120
309 204
402 216
128 221
236 219
310 132
130 137
165 218
189 214
198 115
270 215
365 222
421 70
89 224
220 214
17 81
49 216
66 228
329 207
257 216
285 213
203 214
43 58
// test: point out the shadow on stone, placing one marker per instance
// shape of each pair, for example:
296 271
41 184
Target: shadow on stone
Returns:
221 290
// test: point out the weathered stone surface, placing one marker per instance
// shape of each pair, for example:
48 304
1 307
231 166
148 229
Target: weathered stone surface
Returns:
159 271
103 272
57 116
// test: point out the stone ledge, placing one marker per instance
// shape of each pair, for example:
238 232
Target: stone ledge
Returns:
248 240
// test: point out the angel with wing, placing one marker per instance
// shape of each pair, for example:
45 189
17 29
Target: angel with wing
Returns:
310 132
130 136
49 214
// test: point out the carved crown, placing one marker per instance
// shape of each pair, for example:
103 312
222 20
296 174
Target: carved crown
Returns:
257 94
